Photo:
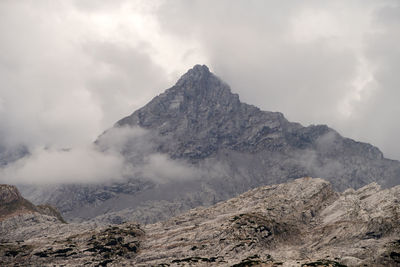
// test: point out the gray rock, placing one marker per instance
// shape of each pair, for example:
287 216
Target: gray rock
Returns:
199 118
301 223
17 213
228 147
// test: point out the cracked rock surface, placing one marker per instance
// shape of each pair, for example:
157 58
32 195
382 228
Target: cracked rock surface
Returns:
299 223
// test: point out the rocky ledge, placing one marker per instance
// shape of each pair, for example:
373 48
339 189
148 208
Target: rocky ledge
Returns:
300 223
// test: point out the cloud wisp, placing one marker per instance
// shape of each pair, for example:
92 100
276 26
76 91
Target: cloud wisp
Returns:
50 166
106 161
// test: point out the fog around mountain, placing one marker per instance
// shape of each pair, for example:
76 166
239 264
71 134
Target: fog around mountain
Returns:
193 145
69 70
207 124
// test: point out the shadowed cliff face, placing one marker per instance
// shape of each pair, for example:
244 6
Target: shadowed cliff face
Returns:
197 144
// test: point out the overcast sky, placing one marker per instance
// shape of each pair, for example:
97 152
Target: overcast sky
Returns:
71 69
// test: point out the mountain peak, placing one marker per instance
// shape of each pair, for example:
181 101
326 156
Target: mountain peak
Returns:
197 73
200 114
198 95
198 82
199 117
199 69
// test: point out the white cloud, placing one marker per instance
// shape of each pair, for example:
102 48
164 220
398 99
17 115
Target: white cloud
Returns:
67 75
160 168
78 165
120 153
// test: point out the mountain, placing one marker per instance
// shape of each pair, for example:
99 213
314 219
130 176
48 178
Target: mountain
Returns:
300 223
197 144
200 118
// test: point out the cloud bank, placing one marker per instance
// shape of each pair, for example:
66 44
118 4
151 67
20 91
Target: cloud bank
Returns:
119 154
78 165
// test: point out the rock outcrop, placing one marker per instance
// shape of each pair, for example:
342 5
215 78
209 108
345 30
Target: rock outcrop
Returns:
17 212
12 203
300 223
296 223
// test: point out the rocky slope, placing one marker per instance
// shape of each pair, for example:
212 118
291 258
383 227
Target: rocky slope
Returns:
17 212
301 223
12 204
197 144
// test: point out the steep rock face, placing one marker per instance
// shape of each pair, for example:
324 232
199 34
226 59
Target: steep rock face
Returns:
226 147
200 115
301 223
199 118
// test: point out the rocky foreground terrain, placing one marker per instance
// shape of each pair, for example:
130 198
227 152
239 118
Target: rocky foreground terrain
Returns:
300 223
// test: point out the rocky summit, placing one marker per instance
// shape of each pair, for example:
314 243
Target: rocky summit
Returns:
200 118
197 144
300 223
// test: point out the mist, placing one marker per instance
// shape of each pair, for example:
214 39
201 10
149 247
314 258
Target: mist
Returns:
106 160
77 165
